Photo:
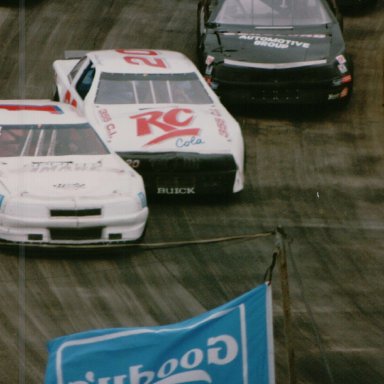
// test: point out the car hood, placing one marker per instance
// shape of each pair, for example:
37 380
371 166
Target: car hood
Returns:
165 128
275 47
67 177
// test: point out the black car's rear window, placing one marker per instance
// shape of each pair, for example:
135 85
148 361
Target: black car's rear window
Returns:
264 13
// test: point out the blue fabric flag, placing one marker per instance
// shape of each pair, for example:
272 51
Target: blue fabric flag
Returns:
230 344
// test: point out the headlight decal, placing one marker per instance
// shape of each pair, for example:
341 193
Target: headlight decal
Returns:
143 199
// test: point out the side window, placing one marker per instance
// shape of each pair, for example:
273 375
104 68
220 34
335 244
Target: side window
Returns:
76 68
85 81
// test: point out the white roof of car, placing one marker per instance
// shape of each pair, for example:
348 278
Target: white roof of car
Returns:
141 61
39 111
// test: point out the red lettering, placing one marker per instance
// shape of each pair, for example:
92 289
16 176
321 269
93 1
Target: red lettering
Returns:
104 115
169 122
134 57
148 119
111 128
172 117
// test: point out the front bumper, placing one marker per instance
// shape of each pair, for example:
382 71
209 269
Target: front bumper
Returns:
57 222
174 173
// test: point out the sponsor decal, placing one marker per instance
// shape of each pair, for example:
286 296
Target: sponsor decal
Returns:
175 123
342 68
209 60
232 343
104 115
220 122
68 186
190 361
344 92
341 59
110 127
274 42
143 58
302 35
333 96
182 143
176 191
62 166
311 36
54 109
111 131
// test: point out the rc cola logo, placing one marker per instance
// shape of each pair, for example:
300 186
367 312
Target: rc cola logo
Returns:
227 345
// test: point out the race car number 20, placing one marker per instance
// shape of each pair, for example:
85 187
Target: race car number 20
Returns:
148 58
134 163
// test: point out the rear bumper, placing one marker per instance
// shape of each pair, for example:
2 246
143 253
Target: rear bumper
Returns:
296 85
282 94
174 173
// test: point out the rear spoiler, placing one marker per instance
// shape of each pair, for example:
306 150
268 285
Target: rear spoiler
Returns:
76 54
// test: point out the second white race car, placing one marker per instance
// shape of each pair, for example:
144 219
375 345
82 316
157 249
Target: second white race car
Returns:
158 113
59 183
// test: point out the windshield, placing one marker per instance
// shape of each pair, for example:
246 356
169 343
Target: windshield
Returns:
50 140
121 88
264 13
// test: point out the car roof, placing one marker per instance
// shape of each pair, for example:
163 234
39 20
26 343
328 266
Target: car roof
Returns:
38 111
141 61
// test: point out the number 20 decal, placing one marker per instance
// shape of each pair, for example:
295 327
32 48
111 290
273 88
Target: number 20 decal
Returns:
143 57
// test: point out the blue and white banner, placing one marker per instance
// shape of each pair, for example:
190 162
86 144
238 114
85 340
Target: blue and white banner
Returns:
229 344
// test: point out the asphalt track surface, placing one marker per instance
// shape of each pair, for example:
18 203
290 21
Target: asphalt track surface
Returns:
317 173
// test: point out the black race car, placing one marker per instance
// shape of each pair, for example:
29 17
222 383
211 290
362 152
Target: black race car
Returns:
274 51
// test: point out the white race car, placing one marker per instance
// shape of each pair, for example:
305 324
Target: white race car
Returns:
159 114
59 182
